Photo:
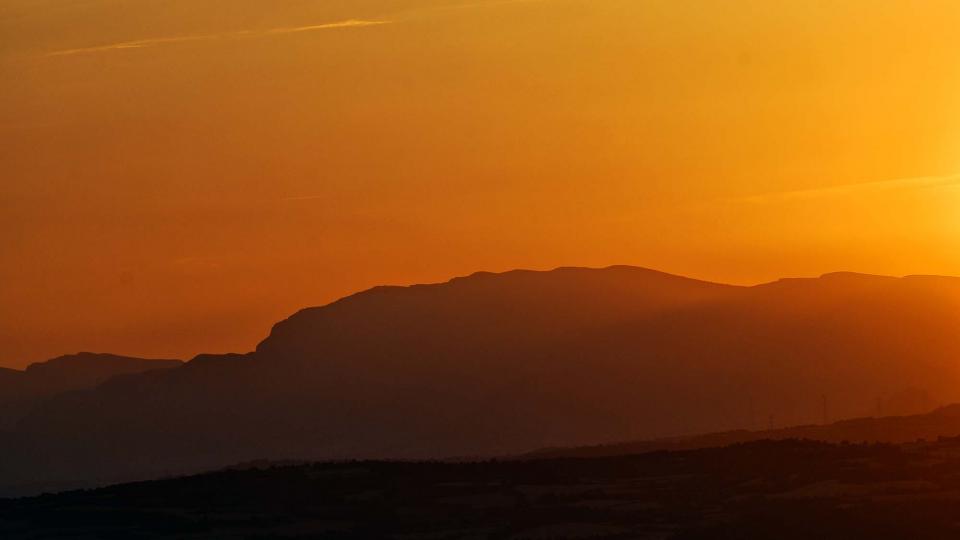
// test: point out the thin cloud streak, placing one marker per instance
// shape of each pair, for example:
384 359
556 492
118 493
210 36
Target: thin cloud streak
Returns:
350 23
153 42
920 182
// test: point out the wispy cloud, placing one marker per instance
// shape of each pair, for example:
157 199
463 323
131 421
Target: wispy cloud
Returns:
350 23
155 42
920 182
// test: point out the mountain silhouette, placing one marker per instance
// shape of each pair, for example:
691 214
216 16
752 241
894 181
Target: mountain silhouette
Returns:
944 422
494 364
21 390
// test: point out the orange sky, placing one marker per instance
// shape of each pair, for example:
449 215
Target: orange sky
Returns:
176 175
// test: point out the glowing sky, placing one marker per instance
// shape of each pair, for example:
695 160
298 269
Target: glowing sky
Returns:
176 175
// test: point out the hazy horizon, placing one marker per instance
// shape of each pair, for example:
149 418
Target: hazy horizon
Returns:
497 269
265 331
178 175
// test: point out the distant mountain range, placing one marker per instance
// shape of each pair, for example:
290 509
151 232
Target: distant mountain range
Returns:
21 390
943 422
495 364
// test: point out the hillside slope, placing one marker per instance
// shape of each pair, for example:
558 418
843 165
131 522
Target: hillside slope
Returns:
785 489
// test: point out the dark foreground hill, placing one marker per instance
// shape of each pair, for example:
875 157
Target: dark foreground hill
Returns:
786 489
21 390
495 364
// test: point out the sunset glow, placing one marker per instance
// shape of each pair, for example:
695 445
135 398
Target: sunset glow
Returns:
177 176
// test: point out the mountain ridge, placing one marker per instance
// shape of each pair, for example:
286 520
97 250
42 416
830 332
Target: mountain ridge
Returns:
944 421
495 364
22 390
